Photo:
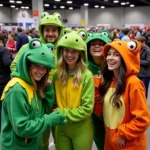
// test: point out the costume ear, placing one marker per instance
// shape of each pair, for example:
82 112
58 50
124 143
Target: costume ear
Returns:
83 34
43 14
58 15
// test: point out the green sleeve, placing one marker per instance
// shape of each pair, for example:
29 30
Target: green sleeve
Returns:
49 98
19 115
87 101
13 64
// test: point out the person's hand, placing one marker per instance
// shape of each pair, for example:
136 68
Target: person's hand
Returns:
121 142
49 81
57 118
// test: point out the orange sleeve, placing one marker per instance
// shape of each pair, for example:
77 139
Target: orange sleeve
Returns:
140 116
98 107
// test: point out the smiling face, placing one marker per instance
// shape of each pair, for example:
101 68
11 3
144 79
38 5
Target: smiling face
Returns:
96 48
70 56
37 71
50 33
113 60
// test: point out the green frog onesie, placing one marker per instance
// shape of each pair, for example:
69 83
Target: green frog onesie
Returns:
46 19
75 102
98 123
23 113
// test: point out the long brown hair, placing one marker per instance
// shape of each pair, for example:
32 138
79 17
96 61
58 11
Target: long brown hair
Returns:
120 84
39 85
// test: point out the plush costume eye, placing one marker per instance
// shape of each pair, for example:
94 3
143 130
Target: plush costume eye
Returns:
57 15
51 49
65 31
105 33
43 14
50 46
90 34
132 46
35 44
83 34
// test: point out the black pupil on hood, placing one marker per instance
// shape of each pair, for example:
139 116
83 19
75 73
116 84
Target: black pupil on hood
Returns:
131 46
76 40
83 35
43 54
34 44
65 37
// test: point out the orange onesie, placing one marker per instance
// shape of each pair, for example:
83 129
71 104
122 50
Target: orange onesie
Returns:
130 121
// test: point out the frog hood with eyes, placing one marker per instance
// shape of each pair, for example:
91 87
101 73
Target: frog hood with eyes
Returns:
47 19
130 53
95 36
37 53
106 33
73 39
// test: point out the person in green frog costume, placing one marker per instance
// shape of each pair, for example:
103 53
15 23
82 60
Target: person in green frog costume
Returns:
49 28
95 45
74 87
25 99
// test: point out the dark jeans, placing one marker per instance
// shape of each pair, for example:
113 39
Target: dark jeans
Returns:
145 80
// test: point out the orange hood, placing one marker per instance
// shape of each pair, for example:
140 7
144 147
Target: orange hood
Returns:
130 53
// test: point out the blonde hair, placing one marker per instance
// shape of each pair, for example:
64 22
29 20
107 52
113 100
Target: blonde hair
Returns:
63 69
40 85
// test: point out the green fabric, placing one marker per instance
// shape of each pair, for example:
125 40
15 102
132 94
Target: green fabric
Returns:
23 122
87 99
73 39
78 136
106 33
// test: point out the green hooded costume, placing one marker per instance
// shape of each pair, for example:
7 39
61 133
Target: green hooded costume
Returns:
23 113
98 123
76 103
46 19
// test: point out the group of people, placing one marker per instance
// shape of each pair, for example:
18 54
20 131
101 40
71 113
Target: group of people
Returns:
79 84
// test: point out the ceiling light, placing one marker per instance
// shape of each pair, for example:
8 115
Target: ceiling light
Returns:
57 0
127 3
102 7
26 7
69 2
123 3
1 5
16 8
132 5
62 7
22 7
19 2
54 6
11 1
105 0
115 1
12 6
46 5
86 4
70 8
96 6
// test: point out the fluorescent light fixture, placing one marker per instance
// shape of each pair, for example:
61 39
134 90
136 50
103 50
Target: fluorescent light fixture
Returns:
132 5
96 6
115 1
17 8
54 6
12 6
86 4
127 3
26 7
1 5
69 2
57 0
62 7
105 0
22 7
11 1
70 8
102 7
46 5
18 2
123 3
